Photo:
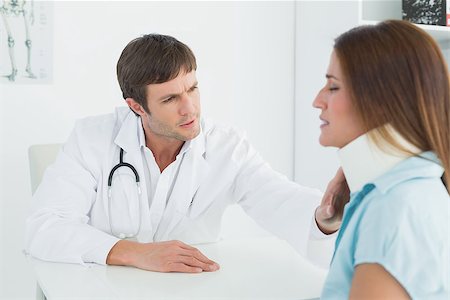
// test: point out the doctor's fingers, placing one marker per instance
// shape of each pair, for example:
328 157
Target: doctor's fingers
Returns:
188 250
340 198
195 263
334 200
195 253
183 268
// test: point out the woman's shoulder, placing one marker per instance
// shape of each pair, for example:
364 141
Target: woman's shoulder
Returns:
418 207
417 196
414 211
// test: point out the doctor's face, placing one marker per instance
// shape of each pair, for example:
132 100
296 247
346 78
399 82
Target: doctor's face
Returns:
340 122
174 108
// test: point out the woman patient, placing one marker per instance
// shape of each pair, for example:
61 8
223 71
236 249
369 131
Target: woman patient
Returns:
386 107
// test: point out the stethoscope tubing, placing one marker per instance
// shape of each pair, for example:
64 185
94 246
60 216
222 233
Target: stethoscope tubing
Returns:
122 164
110 177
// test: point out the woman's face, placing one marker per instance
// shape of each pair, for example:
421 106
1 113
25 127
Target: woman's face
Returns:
340 122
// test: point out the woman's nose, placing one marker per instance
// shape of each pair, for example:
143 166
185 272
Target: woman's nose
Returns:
319 101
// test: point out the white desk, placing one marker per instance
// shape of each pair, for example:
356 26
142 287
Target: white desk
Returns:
261 268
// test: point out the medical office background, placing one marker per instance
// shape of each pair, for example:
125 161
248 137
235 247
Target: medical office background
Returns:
260 65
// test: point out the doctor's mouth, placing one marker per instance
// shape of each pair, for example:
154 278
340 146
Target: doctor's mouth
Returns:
188 124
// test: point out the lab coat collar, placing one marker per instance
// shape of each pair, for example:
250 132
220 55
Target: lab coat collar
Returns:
128 137
362 161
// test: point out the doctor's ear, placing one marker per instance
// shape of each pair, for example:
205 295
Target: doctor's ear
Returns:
136 107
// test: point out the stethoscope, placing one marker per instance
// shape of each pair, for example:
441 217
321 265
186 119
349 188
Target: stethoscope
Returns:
121 163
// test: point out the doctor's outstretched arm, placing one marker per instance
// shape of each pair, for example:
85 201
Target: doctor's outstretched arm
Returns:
171 256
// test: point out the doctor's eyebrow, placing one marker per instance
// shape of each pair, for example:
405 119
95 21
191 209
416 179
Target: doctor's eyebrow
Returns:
193 86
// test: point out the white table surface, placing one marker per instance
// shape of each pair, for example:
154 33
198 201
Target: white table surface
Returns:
259 268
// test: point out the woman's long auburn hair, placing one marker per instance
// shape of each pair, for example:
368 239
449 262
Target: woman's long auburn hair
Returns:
397 75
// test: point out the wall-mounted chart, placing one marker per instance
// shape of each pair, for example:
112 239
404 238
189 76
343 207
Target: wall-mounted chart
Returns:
26 42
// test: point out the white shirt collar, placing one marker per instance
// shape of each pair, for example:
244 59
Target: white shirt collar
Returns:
362 161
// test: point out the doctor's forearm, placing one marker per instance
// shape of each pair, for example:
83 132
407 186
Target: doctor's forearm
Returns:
121 254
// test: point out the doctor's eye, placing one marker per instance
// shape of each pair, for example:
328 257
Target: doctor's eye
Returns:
168 99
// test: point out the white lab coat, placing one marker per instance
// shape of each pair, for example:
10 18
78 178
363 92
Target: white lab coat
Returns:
69 221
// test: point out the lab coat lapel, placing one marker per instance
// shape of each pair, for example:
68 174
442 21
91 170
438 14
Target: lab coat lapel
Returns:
193 171
128 136
129 139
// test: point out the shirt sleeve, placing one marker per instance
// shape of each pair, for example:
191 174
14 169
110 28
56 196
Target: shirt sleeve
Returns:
407 244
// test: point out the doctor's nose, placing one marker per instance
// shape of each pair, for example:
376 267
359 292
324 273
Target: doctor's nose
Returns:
187 105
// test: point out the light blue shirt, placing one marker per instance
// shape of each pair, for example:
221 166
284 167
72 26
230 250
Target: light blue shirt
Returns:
399 220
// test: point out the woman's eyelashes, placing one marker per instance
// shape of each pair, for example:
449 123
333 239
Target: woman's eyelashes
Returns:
333 88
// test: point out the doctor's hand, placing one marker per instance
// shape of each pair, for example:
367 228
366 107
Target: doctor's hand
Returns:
170 256
329 213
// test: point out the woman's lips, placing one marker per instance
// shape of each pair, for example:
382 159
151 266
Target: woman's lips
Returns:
324 123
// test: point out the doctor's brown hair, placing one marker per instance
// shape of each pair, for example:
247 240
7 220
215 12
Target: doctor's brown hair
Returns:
152 58
397 74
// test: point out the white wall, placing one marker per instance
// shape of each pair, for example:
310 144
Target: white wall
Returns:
245 54
317 24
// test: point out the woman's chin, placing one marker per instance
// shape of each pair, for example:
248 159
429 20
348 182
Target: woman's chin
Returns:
327 143
323 141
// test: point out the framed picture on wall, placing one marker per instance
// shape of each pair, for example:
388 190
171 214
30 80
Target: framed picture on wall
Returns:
428 12
26 42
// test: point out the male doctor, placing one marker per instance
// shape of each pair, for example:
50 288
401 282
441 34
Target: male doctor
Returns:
137 186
